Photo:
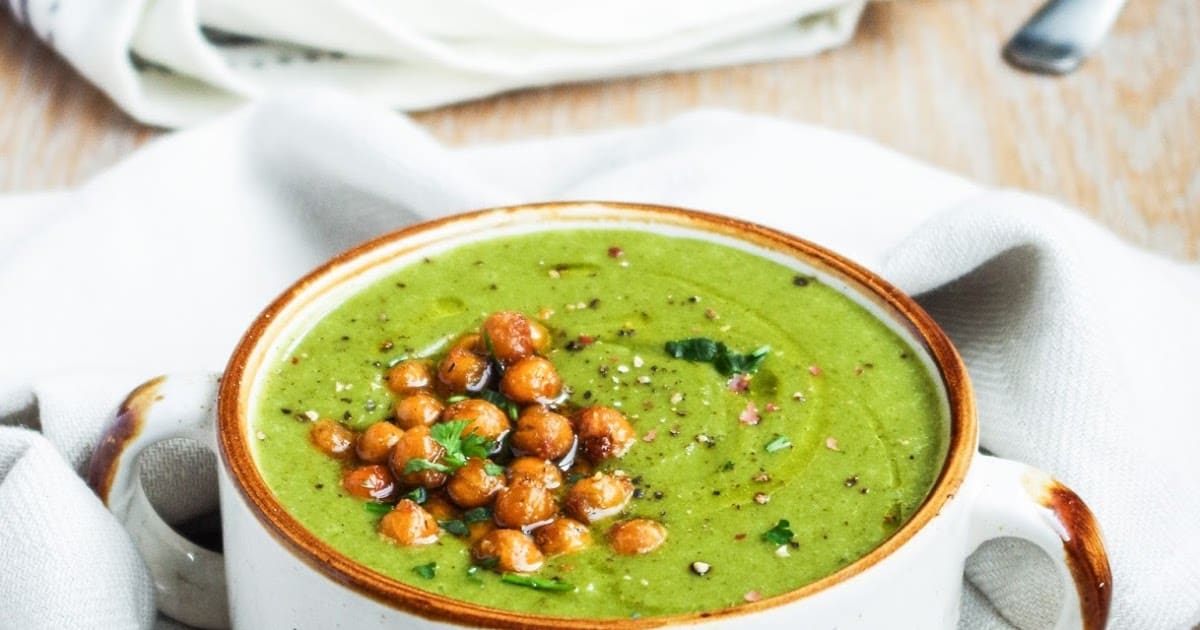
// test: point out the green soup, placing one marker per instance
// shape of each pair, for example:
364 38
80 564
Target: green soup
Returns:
850 435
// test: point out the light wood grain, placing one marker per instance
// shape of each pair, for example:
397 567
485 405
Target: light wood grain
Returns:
1119 139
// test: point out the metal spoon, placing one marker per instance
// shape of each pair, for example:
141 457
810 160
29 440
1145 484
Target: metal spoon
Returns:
1061 34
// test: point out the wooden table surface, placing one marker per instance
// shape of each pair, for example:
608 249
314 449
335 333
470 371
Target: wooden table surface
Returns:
1119 139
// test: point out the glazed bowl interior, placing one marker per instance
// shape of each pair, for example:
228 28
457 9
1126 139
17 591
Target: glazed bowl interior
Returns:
284 323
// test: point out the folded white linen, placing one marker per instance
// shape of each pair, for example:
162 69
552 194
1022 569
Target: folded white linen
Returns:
176 63
1081 347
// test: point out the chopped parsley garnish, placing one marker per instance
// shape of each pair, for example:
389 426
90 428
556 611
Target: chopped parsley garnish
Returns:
417 464
417 495
458 448
378 509
728 465
726 361
426 571
781 534
493 469
456 527
536 583
477 515
778 443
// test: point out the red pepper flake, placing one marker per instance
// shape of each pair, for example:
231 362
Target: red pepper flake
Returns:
772 407
295 360
615 252
752 596
749 415
738 383
741 536
650 435
814 370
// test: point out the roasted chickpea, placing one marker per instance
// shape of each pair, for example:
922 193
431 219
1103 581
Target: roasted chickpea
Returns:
513 551
409 376
534 470
532 380
471 486
542 433
562 536
463 371
597 497
416 443
486 419
508 336
409 524
523 505
418 409
472 342
440 506
332 438
636 536
603 433
539 336
375 444
370 482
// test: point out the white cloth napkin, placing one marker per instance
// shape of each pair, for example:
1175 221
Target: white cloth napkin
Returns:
176 62
1082 348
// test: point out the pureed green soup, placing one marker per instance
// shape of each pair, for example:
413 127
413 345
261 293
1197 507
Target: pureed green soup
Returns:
840 432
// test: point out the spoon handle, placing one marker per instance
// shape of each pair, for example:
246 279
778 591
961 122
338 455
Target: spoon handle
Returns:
1061 34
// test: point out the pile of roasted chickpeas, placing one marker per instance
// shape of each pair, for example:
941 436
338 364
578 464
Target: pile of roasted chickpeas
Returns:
523 479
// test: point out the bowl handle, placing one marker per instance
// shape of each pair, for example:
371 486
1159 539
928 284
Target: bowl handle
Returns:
189 580
1020 501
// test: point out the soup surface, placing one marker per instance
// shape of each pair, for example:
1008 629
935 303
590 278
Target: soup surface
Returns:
840 432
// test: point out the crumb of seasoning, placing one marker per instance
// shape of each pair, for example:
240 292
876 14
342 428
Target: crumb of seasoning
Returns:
782 552
851 481
643 379
749 415
260 435
814 370
638 361
772 407
387 345
752 596
701 568
799 396
295 360
741 536
761 476
615 252
711 314
800 281
762 498
650 435
831 443
676 398
738 383
312 415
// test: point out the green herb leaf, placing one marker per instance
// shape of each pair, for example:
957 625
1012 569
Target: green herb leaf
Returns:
473 573
456 527
378 509
728 465
536 583
459 448
781 534
493 469
477 515
426 571
417 495
726 361
453 399
418 464
488 563
778 443
695 349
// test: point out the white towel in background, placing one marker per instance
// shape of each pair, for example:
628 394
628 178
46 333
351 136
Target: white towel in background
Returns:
177 62
1083 349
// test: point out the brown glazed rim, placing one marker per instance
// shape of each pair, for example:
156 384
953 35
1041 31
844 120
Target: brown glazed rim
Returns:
243 367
